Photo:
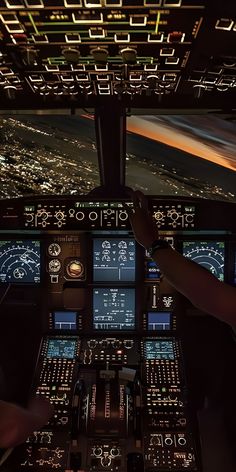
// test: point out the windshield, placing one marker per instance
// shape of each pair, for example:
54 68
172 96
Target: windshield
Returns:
191 155
47 155
181 155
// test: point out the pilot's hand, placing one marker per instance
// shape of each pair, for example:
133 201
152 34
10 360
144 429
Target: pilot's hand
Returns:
143 226
18 423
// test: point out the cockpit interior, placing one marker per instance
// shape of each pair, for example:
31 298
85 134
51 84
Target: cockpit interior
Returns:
98 97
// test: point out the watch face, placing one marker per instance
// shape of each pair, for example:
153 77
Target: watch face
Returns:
158 244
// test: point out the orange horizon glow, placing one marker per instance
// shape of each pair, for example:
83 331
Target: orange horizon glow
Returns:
177 139
174 138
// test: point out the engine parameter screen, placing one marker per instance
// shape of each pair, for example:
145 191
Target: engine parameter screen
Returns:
114 308
113 260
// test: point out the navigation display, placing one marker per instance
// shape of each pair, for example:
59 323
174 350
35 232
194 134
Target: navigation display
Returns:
159 349
20 261
65 319
209 254
113 260
114 308
64 348
158 320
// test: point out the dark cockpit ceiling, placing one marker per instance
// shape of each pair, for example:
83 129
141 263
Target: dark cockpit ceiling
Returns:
156 54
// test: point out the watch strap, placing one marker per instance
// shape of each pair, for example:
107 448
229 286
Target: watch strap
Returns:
158 244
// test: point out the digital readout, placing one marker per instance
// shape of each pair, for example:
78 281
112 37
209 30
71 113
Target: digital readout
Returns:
61 348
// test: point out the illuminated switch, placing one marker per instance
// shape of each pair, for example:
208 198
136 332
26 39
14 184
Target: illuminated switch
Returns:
72 38
92 3
96 33
34 3
167 52
122 38
133 76
14 28
138 20
176 37
224 24
155 38
150 67
82 78
40 38
113 3
87 17
51 68
9 18
67 78
152 3
172 3
14 3
54 279
101 67
104 89
209 79
102 77
72 3
172 61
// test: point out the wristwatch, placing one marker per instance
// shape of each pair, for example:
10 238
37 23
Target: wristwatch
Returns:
156 245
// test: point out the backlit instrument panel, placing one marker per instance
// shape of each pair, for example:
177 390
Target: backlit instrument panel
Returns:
111 358
72 52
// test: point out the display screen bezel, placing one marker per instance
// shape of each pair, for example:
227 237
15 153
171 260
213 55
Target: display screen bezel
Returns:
57 312
109 238
151 312
110 329
8 239
205 241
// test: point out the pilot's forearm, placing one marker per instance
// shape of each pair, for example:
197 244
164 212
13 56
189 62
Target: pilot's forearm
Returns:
188 278
12 420
17 423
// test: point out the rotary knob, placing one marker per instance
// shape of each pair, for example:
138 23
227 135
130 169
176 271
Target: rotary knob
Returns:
189 218
106 461
115 451
97 451
80 215
60 215
158 215
29 217
93 215
123 215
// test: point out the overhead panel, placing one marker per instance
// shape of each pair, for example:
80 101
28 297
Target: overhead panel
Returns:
147 48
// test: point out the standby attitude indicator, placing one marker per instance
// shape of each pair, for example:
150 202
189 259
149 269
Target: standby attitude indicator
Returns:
209 254
20 261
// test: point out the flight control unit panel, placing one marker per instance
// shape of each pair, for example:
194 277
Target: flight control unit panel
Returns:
111 359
